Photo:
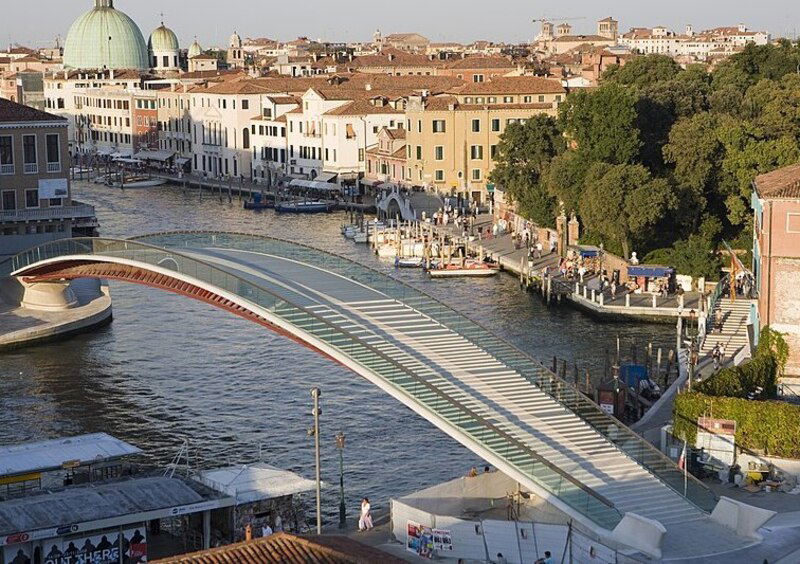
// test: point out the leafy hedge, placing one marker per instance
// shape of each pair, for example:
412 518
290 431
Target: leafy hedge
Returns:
768 427
761 372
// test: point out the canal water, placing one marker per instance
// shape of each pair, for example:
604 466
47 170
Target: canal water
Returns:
169 368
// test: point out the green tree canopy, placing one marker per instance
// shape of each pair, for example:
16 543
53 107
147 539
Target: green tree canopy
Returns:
622 202
603 123
523 157
643 71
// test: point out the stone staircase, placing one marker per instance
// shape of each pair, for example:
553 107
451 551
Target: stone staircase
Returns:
733 336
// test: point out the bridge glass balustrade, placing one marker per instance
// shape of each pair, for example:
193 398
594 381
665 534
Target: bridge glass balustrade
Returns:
613 430
408 383
566 394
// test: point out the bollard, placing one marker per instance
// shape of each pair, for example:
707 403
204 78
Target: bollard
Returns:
584 289
602 301
578 288
627 300
680 301
654 300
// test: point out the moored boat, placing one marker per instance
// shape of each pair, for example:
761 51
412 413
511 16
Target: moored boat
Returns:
303 207
409 262
257 202
468 268
136 182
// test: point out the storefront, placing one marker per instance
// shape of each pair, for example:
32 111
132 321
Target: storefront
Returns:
652 279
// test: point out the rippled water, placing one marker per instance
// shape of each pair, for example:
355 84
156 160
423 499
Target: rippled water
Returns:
170 368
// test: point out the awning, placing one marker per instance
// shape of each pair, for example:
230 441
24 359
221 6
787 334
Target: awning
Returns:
180 161
314 185
350 131
155 155
587 251
325 176
104 150
127 160
650 271
122 154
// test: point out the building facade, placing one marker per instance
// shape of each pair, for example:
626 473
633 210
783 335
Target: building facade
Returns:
776 259
35 199
386 161
452 140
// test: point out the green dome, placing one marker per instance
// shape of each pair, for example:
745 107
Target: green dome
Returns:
163 39
195 49
88 45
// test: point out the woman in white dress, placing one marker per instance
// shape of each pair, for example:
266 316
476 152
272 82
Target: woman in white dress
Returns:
365 522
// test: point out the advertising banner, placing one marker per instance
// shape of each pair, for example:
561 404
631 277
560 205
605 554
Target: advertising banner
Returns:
419 540
17 554
100 549
442 541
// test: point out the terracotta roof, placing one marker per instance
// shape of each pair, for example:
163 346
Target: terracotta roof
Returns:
514 85
480 63
13 112
283 100
397 133
362 108
283 548
781 183
573 38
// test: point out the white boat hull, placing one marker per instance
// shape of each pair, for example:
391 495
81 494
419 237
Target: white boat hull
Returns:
463 272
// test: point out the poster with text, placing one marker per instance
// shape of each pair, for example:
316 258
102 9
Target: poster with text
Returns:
17 553
442 541
100 549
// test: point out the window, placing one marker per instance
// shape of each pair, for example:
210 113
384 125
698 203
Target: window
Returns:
468 100
493 151
439 176
476 126
491 100
31 198
476 152
6 155
419 152
476 174
53 154
419 126
558 97
527 99
29 154
361 155
477 78
541 99
438 153
9 200
245 104
245 138
439 126
508 99
495 125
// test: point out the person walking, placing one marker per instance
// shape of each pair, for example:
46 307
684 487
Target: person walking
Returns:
365 521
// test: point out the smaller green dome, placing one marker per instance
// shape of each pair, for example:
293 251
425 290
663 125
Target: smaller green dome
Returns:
195 49
163 39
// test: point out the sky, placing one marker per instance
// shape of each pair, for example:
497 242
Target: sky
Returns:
36 23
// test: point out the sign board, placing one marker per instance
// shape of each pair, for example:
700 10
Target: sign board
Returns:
131 545
442 541
716 438
53 188
419 540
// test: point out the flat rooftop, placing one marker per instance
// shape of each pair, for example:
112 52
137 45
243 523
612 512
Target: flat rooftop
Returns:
254 482
43 456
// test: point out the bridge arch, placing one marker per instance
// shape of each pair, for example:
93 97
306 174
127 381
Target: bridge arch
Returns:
480 390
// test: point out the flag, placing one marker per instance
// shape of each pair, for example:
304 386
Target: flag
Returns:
682 458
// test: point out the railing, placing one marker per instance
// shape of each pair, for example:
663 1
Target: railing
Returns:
63 212
612 429
53 167
7 169
713 300
31 168
575 494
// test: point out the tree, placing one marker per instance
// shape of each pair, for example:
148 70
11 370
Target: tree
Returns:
523 157
603 124
643 71
622 202
565 179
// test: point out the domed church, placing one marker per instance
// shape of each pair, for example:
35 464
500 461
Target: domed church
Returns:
106 38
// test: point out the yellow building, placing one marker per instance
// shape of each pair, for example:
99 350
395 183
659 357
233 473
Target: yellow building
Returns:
452 139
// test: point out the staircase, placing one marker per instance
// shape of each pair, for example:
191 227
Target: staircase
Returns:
734 336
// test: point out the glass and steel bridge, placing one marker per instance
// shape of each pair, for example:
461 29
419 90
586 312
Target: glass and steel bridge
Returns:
497 401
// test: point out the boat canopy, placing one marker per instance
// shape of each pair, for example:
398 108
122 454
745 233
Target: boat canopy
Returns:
314 185
650 271
155 155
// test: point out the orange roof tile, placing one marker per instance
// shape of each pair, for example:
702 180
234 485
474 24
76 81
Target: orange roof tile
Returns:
781 183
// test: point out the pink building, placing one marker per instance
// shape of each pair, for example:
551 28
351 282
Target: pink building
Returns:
776 257
386 161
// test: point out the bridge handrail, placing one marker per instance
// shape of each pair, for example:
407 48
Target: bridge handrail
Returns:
616 432
148 254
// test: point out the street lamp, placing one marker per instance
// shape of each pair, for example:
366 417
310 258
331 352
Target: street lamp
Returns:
314 431
342 511
692 334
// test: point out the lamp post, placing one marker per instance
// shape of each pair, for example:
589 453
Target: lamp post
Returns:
314 431
342 511
692 334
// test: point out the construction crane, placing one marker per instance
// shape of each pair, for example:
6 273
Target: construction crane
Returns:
545 19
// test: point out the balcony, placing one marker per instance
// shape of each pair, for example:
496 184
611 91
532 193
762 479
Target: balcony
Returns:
31 168
7 169
74 211
54 167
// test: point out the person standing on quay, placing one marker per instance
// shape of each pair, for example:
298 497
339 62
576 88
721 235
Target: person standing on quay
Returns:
365 522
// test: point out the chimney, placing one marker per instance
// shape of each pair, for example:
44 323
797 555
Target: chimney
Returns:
368 86
111 74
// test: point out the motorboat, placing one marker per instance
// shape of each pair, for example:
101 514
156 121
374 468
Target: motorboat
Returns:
136 182
466 268
304 207
408 262
258 202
